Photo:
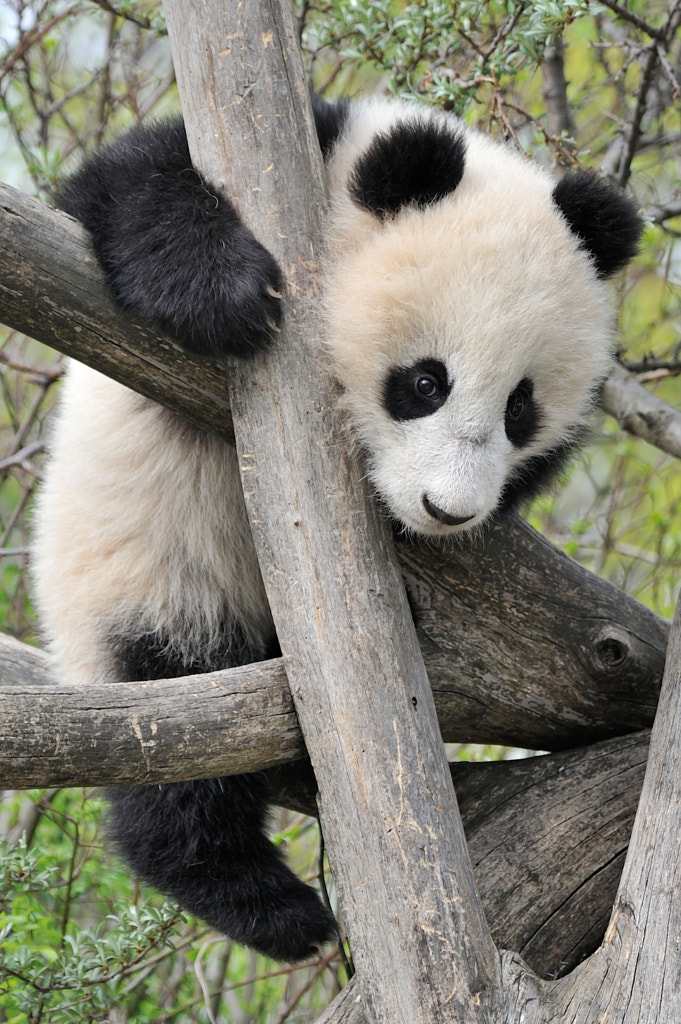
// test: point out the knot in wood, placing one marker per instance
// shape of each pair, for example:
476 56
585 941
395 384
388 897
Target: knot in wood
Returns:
612 649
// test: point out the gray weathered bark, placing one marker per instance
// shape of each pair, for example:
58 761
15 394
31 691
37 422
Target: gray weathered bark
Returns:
546 836
635 976
521 644
421 950
52 289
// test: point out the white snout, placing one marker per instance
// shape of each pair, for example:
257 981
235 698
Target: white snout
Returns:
438 487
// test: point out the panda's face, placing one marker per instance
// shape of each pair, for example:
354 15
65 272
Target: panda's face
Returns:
468 319
469 349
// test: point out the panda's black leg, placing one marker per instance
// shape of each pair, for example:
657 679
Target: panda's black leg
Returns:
172 246
204 843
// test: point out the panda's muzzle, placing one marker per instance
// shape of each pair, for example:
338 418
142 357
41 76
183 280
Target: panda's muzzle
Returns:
444 517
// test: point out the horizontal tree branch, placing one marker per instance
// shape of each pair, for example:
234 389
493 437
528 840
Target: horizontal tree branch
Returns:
546 836
641 413
52 734
521 644
52 289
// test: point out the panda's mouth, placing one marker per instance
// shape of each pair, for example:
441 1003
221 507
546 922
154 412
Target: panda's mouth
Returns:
446 518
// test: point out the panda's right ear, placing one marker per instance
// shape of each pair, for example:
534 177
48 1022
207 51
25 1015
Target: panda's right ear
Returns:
330 118
415 163
602 217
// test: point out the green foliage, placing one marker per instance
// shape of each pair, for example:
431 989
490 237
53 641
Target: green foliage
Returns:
78 937
443 50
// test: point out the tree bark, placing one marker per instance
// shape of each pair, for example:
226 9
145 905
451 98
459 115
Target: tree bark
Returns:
52 289
420 943
635 976
547 837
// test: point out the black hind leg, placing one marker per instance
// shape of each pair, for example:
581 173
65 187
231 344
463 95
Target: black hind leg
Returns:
204 844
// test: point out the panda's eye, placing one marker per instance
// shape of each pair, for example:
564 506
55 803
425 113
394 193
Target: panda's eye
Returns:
523 418
410 392
517 404
426 386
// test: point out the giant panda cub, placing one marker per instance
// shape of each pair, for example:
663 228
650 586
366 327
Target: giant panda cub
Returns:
469 324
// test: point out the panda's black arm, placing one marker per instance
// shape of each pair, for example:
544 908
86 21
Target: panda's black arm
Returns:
173 249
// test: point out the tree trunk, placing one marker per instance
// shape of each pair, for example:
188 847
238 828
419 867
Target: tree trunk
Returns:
390 820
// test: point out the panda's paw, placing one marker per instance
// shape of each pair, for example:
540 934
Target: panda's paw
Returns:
223 300
248 307
294 928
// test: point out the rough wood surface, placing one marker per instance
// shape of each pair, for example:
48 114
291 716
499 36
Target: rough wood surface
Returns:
640 412
635 976
528 648
52 734
547 838
419 938
522 646
588 665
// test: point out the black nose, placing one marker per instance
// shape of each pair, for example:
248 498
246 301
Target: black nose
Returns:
442 516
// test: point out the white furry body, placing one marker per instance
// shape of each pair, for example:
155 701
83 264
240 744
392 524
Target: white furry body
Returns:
140 528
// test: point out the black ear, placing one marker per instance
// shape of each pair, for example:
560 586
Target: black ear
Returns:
414 163
603 218
330 118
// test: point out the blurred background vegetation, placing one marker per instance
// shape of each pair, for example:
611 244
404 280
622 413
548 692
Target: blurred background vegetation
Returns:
573 84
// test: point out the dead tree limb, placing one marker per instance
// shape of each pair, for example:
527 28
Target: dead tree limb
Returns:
52 289
420 943
522 646
635 976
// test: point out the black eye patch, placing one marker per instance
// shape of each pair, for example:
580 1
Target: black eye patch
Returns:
410 392
523 416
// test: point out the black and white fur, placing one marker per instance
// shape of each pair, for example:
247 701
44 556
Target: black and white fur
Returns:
469 324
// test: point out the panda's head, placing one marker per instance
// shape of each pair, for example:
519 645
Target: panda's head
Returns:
469 321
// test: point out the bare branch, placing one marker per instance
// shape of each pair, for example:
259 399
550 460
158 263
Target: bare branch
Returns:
571 658
554 93
641 413
650 30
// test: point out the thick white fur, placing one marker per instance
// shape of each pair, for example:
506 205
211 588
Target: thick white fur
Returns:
140 525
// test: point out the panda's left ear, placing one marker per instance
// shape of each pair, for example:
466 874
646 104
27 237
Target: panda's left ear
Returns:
604 219
413 163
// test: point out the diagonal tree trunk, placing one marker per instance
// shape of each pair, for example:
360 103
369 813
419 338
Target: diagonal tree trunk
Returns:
420 943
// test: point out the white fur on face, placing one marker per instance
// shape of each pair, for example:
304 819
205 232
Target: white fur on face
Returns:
491 282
